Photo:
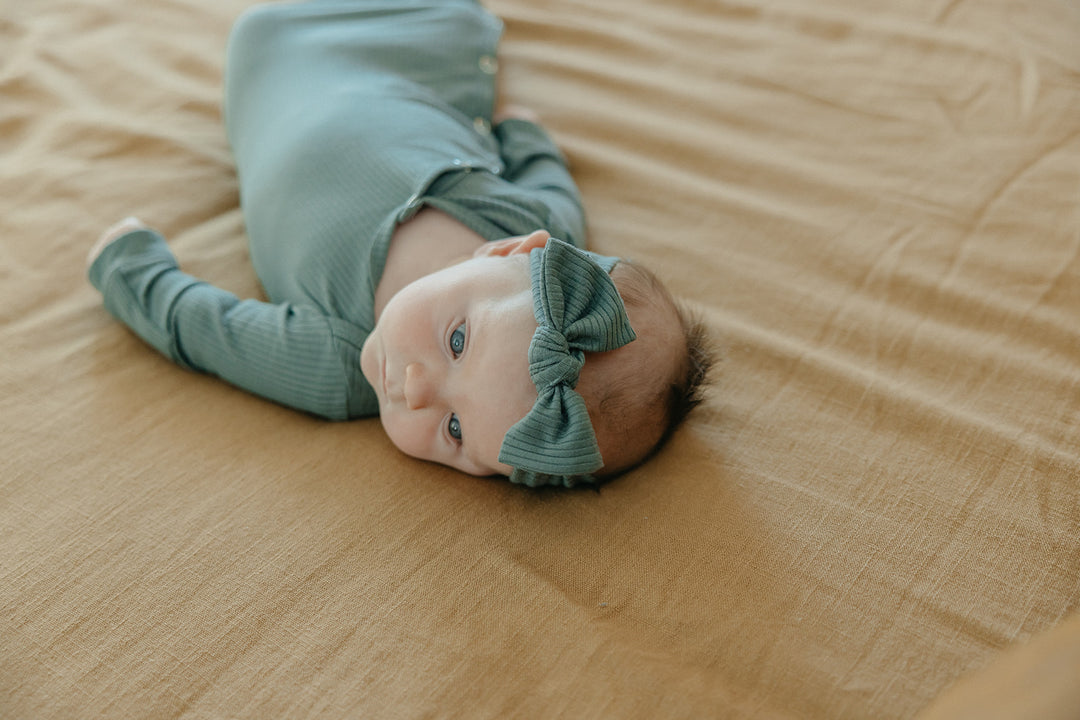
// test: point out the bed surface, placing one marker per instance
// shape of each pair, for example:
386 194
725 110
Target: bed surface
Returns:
874 206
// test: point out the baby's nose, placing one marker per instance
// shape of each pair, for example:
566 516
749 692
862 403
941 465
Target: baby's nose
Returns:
418 388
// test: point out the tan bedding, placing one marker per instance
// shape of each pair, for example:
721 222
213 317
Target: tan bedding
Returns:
875 206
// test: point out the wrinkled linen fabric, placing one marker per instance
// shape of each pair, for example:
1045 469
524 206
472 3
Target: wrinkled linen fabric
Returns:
873 206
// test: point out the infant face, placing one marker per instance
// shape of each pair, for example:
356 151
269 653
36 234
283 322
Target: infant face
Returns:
448 360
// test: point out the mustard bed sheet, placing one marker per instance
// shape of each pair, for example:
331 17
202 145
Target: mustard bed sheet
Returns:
875 207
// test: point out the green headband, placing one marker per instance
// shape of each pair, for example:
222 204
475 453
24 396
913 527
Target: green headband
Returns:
578 310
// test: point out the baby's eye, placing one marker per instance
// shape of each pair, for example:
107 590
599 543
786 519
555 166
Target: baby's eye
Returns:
457 340
454 427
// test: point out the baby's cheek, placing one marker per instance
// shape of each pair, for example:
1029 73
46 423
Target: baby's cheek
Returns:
409 434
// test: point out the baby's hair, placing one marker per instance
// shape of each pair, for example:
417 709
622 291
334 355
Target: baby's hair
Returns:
688 390
644 397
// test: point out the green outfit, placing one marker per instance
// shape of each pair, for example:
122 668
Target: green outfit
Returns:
345 118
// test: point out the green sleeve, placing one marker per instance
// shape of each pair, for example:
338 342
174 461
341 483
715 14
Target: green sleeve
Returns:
533 162
291 354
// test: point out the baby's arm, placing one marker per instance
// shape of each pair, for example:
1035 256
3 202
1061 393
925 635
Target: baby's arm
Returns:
289 354
534 163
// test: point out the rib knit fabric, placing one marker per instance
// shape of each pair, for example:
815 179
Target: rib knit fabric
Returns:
344 119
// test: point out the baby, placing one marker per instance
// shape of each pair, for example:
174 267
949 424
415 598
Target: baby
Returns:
393 222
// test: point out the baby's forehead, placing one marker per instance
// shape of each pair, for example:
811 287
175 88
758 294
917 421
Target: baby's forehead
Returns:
511 271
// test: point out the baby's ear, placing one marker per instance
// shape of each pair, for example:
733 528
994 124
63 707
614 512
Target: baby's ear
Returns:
517 245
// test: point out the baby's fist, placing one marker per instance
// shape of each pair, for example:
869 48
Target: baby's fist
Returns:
111 233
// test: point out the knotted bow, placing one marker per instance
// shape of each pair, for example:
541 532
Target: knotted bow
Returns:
578 310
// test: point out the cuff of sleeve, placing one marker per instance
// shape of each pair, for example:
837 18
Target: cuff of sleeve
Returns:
140 282
139 249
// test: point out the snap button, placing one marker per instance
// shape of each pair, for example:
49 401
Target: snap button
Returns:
481 126
489 64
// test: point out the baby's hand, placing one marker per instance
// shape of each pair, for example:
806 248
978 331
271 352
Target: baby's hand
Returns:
118 230
515 112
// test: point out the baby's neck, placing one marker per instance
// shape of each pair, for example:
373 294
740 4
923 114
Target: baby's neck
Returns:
428 242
